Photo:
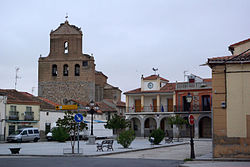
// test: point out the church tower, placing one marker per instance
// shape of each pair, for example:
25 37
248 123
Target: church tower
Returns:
66 73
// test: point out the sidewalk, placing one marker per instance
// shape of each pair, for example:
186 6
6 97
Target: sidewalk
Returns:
57 149
207 161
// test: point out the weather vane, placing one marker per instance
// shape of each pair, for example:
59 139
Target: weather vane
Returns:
155 69
66 17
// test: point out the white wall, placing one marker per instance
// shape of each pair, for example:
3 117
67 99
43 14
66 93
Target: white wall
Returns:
3 100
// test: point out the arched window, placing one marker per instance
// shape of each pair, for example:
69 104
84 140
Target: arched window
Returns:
54 70
77 70
65 70
66 47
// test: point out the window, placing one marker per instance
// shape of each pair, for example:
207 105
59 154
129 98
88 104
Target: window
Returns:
84 63
24 132
54 70
66 47
11 129
36 131
185 104
65 70
30 131
77 70
28 109
12 108
206 103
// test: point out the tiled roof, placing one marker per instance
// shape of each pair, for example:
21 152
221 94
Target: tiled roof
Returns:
168 88
239 43
207 80
16 97
118 104
46 103
231 59
103 106
154 77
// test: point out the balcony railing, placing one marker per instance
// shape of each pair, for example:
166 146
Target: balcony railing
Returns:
182 108
178 108
196 85
148 109
14 115
29 116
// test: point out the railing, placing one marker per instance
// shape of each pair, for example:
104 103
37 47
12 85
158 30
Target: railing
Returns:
14 115
195 85
182 108
29 116
178 108
148 109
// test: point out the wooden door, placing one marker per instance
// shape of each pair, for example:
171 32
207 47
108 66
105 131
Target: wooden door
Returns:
138 105
170 105
154 105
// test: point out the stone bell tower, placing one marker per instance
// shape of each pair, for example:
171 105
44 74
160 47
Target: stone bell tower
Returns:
66 73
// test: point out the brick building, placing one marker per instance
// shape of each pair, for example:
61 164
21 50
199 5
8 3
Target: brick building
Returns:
231 94
66 73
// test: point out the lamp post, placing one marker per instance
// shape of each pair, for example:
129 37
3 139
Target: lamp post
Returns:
92 107
189 100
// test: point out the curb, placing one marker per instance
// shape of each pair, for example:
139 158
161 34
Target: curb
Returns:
96 155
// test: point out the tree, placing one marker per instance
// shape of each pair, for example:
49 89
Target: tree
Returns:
60 134
126 138
178 121
70 125
117 123
158 136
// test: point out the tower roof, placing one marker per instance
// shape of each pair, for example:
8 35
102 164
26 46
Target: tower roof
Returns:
66 28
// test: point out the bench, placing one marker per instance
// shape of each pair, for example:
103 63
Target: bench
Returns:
168 139
105 143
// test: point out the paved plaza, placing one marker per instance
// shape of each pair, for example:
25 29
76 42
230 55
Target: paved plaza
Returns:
56 149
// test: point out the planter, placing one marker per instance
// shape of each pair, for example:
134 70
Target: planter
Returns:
15 150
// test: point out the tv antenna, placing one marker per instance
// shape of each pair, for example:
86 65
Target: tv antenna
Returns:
17 77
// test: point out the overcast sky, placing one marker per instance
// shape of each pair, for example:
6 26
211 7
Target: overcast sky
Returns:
127 37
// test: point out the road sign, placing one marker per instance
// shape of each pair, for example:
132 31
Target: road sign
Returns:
191 119
66 107
78 117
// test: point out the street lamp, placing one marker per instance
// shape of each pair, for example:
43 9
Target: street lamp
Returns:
92 107
189 100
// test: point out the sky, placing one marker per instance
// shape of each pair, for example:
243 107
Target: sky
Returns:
127 37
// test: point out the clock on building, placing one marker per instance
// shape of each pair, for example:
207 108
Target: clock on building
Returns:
150 85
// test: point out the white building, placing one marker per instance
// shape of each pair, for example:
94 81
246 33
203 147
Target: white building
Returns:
3 100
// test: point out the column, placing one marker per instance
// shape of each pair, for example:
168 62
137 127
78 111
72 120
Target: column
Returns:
127 103
196 130
142 102
142 128
158 101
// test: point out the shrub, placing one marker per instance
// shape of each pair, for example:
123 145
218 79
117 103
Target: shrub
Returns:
60 134
158 136
126 137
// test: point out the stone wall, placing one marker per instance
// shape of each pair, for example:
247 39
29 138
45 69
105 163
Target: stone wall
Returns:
58 91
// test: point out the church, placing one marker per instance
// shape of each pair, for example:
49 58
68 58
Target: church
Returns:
67 73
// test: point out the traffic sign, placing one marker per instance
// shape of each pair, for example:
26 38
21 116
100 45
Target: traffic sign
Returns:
191 119
66 107
78 117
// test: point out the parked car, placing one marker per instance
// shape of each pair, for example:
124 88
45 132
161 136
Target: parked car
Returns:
25 134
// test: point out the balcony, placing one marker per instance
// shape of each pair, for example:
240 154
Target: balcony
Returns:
14 115
29 116
193 108
138 109
196 85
